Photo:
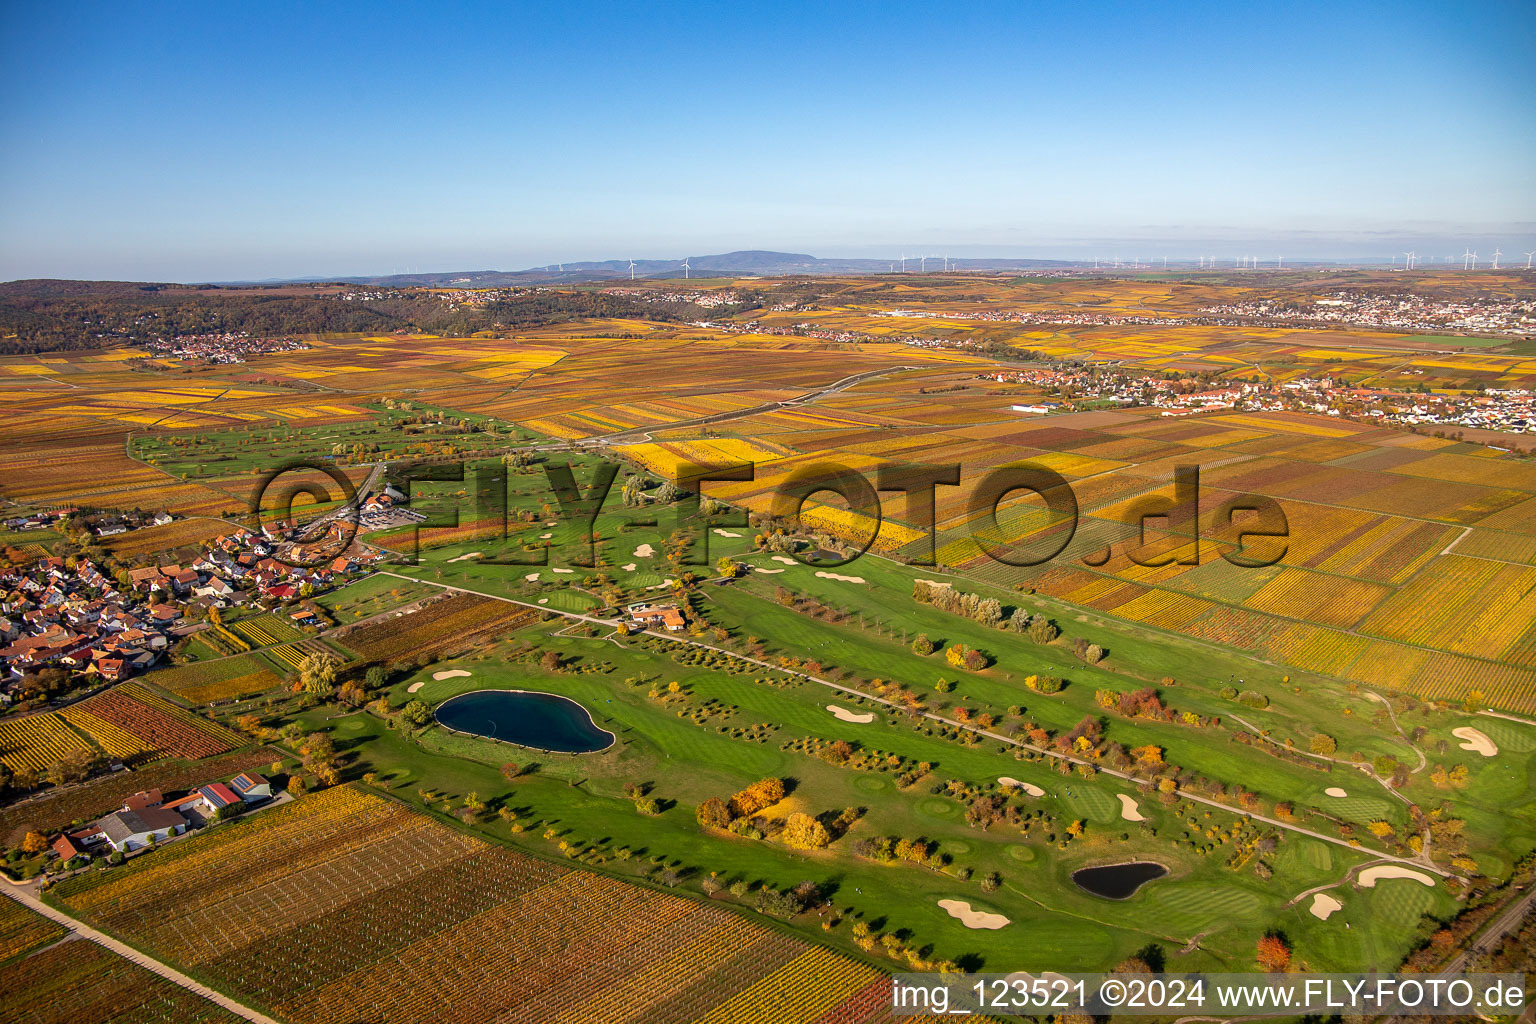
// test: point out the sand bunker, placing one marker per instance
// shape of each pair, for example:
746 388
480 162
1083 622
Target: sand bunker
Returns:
1477 741
835 576
1128 808
663 585
1323 905
1335 791
531 577
565 572
416 686
785 559
1370 876
844 715
451 673
1032 790
628 567
644 551
972 918
543 600
724 533
545 536
466 556
770 572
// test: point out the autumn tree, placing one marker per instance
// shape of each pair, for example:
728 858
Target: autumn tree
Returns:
713 813
1273 954
317 674
804 832
762 793
416 713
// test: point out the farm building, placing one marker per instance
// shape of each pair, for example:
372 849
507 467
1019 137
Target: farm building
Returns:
126 831
216 796
251 787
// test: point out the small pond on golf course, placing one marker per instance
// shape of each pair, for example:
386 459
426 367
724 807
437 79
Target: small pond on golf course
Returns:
1118 881
544 721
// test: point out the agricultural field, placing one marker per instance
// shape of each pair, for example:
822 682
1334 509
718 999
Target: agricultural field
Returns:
541 941
143 726
451 621
81 982
225 678
36 742
21 930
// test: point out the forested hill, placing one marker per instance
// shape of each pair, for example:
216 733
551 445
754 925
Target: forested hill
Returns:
45 315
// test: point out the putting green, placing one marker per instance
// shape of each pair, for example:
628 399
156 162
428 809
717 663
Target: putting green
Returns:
937 807
1090 802
1510 736
1400 902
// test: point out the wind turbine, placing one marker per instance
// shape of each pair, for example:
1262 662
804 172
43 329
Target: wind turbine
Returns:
1469 260
1279 262
922 264
1496 255
685 268
1528 258
631 270
903 263
1408 258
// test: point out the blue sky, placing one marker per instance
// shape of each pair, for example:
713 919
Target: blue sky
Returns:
217 142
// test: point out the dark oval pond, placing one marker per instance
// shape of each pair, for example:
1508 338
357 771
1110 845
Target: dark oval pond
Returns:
545 721
1118 881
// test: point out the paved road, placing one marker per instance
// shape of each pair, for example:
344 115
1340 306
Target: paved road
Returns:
28 898
987 734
